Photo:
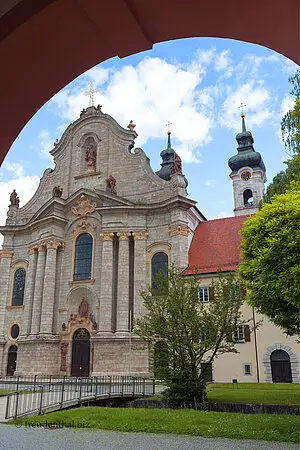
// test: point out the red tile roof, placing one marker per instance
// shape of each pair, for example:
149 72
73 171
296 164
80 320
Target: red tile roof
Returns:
216 245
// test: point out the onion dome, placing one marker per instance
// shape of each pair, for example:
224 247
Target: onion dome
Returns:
247 156
167 164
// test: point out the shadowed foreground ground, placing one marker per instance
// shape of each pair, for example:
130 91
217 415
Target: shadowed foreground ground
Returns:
66 439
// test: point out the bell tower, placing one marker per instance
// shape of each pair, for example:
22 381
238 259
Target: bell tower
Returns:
248 174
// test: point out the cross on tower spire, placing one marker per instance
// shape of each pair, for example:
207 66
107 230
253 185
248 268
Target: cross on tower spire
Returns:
90 92
242 106
168 126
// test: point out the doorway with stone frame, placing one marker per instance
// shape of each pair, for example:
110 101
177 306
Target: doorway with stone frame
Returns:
81 353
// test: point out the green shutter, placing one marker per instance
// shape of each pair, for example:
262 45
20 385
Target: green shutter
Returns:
211 291
247 333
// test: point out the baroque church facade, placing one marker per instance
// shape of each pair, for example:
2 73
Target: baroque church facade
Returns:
99 227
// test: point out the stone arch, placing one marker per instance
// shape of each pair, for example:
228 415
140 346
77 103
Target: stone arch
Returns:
293 360
248 197
75 296
144 23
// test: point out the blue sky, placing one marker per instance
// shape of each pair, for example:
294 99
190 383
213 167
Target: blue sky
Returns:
198 85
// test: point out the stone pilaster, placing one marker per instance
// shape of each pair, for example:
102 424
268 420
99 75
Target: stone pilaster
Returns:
179 241
38 290
140 271
49 287
29 289
5 262
123 282
105 311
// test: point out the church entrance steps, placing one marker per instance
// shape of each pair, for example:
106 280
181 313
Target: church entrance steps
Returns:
45 394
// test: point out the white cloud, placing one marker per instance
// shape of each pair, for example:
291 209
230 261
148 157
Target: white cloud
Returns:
287 104
255 97
210 183
220 215
156 91
24 185
150 94
205 56
98 75
250 65
45 144
16 168
288 66
222 60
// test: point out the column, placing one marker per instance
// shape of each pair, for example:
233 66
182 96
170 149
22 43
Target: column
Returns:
105 311
179 239
123 282
29 290
38 290
49 287
5 262
140 270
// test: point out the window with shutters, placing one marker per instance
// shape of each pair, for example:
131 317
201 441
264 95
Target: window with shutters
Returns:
241 333
83 257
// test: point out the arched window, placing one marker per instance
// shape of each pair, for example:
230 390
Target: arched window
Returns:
83 257
159 263
19 287
248 197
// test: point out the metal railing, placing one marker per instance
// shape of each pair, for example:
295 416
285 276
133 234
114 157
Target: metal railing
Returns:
45 394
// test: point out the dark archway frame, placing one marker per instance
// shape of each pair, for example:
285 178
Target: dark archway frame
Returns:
45 44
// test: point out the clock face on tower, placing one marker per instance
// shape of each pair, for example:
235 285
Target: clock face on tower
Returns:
245 175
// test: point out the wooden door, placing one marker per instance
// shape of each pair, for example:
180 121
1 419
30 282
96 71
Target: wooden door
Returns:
81 347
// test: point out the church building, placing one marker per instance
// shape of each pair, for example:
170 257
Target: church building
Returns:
99 227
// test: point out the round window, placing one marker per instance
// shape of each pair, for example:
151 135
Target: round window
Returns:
15 331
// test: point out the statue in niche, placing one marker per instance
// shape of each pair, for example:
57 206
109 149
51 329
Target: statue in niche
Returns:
177 168
83 308
111 184
57 191
90 154
14 199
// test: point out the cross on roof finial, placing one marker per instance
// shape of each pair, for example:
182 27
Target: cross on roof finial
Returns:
90 92
242 106
168 126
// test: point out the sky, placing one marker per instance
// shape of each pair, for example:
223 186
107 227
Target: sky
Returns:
196 84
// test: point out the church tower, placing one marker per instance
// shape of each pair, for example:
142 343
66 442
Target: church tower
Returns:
248 174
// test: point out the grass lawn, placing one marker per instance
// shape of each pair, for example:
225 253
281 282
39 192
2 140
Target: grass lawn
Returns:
268 427
25 391
268 393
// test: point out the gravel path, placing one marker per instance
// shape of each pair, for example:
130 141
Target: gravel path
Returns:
21 438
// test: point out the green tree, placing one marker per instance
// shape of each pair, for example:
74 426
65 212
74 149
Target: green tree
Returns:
270 265
186 333
290 127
